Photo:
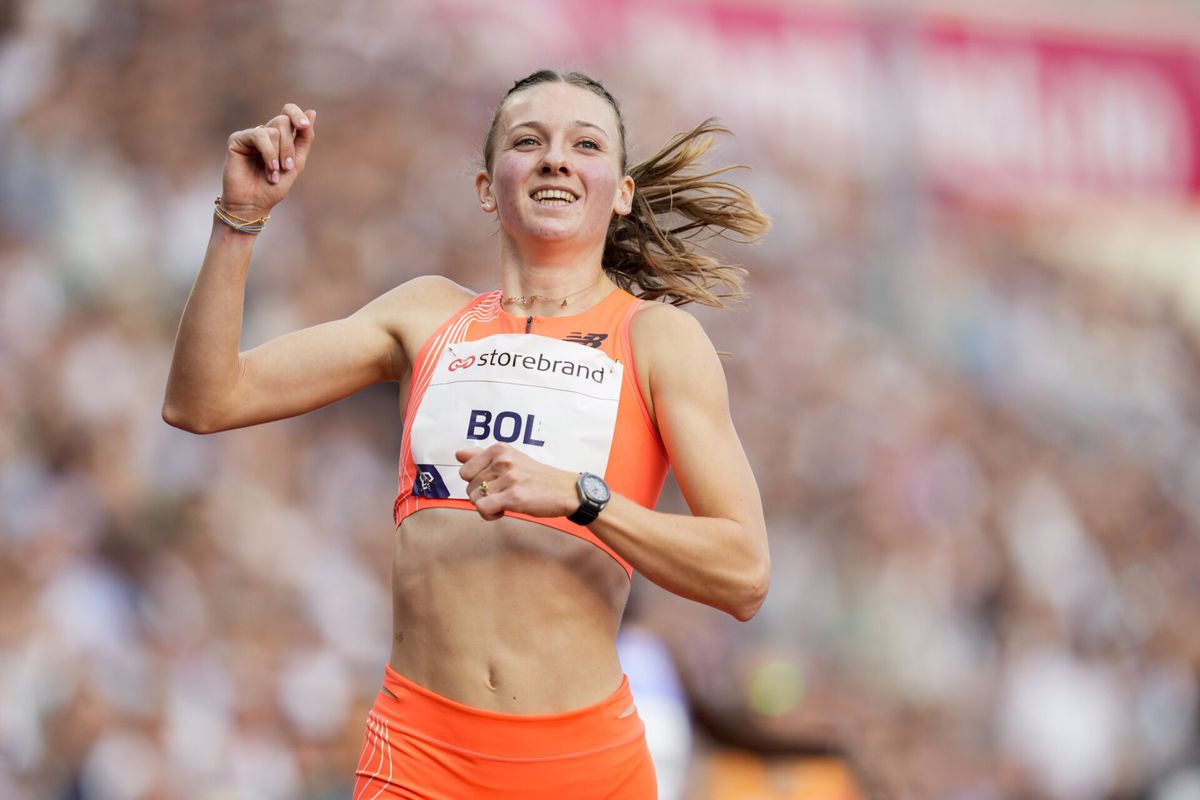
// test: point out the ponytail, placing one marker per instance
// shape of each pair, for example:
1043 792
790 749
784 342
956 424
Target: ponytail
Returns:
658 250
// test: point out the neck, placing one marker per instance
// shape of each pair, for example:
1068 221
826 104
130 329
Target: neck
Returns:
540 282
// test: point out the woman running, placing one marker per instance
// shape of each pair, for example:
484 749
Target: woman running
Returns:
539 422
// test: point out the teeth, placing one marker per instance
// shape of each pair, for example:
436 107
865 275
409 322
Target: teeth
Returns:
553 194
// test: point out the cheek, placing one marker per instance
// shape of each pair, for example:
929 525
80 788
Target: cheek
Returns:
504 181
601 180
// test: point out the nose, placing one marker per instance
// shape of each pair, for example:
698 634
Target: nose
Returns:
555 161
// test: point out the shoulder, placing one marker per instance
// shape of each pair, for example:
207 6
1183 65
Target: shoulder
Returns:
661 329
420 299
414 310
424 291
675 360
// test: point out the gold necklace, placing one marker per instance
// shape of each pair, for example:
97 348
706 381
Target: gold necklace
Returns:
527 300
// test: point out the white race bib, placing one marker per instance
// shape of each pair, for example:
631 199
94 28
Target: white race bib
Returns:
555 401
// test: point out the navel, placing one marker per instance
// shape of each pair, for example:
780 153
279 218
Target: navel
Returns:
492 683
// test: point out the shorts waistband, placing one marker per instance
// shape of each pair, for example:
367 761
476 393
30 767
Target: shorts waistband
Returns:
422 713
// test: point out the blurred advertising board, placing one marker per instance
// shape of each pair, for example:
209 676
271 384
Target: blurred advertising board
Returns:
988 110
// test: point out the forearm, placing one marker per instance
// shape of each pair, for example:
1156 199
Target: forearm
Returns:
720 562
205 364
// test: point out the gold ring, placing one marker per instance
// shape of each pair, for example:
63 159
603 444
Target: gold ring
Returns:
483 489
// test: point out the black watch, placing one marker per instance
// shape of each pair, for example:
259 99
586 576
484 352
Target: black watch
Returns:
593 497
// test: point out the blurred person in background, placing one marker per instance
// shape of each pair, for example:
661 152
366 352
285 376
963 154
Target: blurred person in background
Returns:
557 401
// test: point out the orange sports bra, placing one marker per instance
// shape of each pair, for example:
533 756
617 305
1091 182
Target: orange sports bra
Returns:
560 389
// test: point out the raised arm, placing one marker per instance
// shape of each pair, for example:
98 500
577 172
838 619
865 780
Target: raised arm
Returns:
212 386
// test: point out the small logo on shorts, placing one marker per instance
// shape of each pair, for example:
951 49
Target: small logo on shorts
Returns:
590 339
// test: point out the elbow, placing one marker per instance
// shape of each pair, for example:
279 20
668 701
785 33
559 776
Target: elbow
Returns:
177 417
753 593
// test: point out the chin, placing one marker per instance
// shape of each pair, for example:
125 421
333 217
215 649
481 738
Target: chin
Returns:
543 232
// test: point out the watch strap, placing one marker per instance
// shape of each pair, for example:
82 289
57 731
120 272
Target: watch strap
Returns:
585 515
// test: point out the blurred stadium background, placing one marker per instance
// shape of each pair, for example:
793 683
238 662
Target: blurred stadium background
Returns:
968 378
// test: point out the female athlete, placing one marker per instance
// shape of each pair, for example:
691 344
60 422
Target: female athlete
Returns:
539 422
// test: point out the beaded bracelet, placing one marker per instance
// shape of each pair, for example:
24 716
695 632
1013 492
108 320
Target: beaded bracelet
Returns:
251 226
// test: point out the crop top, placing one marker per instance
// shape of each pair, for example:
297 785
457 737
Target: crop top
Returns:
562 390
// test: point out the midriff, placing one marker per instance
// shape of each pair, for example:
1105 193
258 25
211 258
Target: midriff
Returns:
507 616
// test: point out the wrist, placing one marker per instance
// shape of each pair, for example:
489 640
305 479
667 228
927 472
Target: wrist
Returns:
242 210
594 495
236 222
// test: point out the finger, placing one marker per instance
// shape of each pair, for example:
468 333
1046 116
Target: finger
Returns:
264 139
467 453
287 150
306 132
491 508
491 477
473 461
296 115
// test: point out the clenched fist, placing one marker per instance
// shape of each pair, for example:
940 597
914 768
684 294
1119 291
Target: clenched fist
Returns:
262 163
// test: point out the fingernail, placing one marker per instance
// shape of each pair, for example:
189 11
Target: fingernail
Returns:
275 177
290 163
275 165
302 122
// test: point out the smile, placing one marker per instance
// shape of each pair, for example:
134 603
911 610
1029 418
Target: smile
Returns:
553 197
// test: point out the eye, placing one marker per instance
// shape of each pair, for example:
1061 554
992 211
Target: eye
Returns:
589 144
525 141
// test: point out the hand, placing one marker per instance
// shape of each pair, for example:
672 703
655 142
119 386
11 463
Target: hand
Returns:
257 172
516 482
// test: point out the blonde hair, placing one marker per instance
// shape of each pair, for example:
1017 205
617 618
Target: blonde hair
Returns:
658 250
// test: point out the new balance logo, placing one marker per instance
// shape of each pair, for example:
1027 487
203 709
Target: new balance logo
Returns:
590 339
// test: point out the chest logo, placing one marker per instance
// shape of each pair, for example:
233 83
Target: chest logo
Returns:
589 339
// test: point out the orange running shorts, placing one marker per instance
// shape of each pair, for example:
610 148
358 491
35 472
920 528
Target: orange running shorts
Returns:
422 745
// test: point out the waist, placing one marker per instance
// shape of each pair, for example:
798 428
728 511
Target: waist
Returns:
504 615
423 713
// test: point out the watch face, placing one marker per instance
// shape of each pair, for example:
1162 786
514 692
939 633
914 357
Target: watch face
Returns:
595 488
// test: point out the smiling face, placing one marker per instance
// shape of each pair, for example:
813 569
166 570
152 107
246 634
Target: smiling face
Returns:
556 166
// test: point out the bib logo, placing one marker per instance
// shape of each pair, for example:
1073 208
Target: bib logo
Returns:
536 362
429 482
506 426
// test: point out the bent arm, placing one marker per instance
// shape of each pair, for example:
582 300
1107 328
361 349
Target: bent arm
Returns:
213 387
718 556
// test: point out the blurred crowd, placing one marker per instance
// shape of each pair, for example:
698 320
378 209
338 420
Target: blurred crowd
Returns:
980 464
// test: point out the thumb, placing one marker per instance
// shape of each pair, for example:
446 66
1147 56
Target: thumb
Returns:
466 455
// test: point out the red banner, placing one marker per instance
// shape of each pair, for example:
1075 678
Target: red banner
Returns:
986 110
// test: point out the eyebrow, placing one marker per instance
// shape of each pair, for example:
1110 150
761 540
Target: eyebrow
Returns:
579 123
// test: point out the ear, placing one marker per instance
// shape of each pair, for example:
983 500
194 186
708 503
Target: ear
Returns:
483 187
624 202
